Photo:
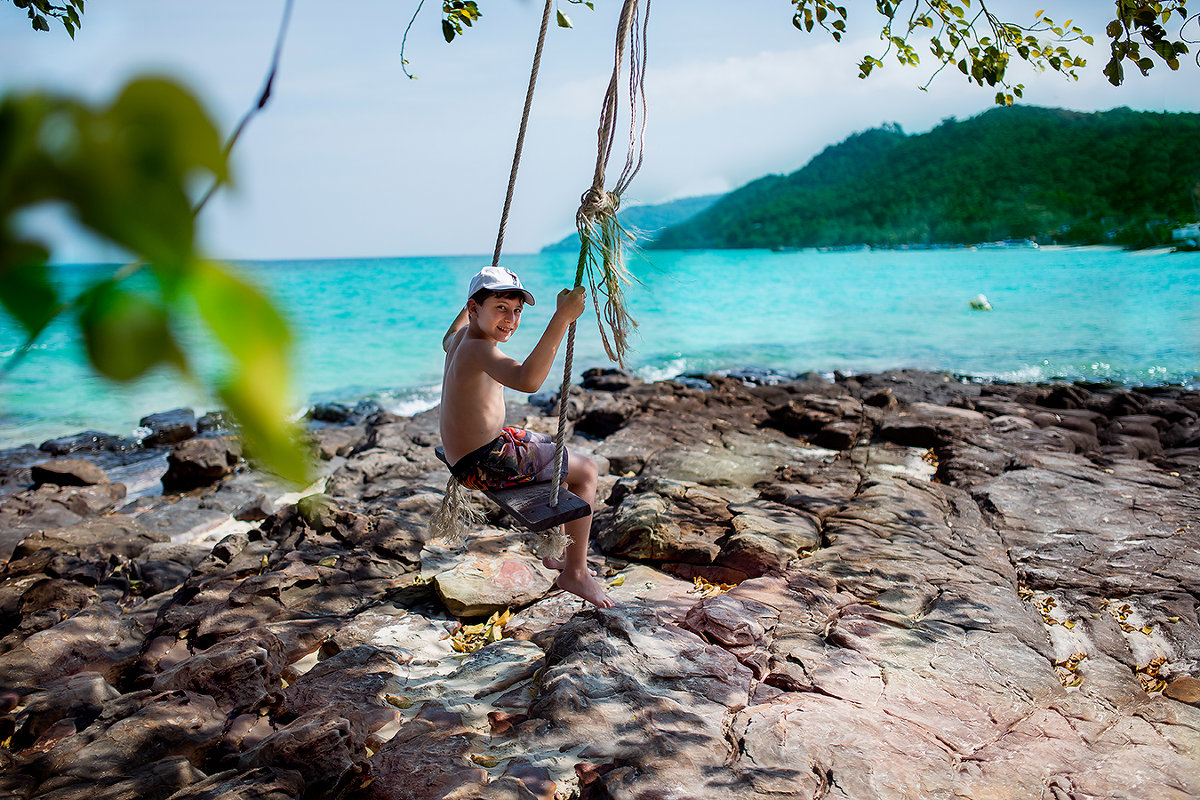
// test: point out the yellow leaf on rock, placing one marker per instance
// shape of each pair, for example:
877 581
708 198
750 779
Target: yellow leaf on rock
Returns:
398 702
484 760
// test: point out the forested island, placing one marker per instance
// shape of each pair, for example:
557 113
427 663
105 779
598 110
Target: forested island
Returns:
1054 176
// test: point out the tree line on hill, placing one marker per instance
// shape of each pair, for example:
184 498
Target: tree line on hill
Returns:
1117 177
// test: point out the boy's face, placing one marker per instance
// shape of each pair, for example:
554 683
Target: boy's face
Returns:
497 317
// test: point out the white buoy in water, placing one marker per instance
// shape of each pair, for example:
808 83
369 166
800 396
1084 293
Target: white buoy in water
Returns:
980 303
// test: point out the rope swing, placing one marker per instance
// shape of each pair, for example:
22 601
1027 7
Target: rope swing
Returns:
602 242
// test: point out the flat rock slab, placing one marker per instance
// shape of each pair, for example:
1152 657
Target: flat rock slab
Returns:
68 472
481 584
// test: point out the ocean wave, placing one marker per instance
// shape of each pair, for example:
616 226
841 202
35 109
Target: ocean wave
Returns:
414 400
663 371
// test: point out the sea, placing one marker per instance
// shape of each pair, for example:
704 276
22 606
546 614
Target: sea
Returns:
371 328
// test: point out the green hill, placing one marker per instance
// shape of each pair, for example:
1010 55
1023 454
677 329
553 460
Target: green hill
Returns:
1115 176
648 220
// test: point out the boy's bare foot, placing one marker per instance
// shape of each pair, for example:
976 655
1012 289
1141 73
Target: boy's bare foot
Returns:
559 564
585 586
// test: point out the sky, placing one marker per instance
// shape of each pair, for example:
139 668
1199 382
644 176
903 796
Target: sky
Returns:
353 159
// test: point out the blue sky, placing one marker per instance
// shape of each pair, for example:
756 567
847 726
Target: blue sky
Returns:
354 159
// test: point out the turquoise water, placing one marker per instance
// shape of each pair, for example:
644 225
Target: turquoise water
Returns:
373 328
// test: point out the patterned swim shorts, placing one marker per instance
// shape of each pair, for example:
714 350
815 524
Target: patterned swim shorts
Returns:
515 457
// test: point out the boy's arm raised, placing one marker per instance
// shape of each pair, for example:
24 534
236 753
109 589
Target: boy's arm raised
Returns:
529 376
455 327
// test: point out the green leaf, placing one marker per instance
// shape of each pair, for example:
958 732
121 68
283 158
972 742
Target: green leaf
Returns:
238 314
257 390
125 333
131 167
448 30
40 24
25 287
563 20
267 435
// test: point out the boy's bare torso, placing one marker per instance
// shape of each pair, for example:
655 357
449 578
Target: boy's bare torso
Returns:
472 411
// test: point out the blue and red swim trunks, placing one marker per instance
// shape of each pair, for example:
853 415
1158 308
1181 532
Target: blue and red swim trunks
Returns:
515 457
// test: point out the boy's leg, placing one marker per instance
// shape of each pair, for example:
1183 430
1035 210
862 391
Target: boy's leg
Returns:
575 577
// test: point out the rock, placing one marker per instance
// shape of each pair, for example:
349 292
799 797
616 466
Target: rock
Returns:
187 519
80 697
267 783
332 442
238 672
481 584
607 380
157 779
201 462
93 540
649 697
214 421
169 427
87 441
1185 689
257 509
68 472
181 724
425 759
98 639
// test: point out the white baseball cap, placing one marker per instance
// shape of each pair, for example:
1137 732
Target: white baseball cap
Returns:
498 279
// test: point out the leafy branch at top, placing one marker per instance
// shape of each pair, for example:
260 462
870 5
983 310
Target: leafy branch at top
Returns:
39 10
1147 21
982 45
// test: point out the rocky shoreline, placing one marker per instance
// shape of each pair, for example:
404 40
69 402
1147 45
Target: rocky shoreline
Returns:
886 586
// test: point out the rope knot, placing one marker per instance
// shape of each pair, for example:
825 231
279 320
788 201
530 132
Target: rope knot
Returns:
596 204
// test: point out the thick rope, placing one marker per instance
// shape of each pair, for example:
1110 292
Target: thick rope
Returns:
512 176
597 210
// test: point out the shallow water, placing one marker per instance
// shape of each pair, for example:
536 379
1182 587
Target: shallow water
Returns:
373 327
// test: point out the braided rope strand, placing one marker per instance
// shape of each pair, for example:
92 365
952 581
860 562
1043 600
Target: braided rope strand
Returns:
512 176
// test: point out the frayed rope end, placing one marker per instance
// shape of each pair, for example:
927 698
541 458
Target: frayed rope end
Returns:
455 515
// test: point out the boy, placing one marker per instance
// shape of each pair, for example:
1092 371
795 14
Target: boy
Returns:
484 453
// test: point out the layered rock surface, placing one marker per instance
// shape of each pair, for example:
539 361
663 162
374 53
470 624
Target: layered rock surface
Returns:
889 586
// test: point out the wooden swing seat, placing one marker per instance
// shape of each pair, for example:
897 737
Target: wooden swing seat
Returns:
528 503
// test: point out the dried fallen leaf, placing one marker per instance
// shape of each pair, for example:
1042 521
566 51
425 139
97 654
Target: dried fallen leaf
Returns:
484 760
397 701
328 561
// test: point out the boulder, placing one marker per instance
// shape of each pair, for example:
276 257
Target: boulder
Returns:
201 462
169 427
93 540
87 441
481 584
68 472
238 672
98 639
